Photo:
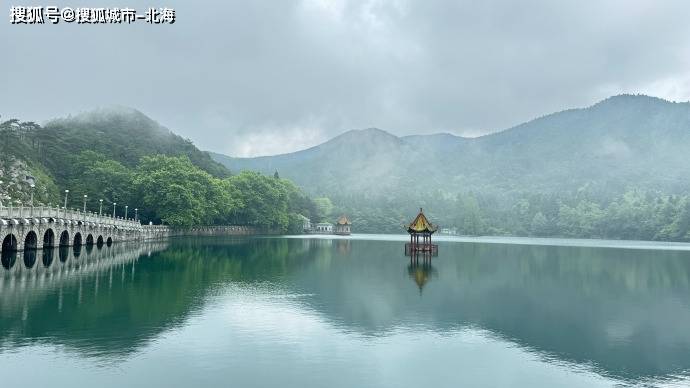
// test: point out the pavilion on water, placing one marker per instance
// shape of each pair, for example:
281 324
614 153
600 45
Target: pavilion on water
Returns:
421 229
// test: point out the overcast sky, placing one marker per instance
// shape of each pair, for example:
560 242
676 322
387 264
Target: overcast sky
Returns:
255 77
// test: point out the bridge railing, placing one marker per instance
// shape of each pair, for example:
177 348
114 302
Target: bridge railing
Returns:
25 212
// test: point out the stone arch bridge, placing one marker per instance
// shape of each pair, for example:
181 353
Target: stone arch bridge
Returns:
25 228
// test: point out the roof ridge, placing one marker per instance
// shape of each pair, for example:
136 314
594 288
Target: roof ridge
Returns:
421 224
343 220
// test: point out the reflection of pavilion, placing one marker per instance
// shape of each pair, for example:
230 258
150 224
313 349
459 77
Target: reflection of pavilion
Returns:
316 243
422 272
343 246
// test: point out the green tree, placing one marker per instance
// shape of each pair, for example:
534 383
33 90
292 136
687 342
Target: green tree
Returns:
583 220
470 219
101 178
539 225
177 192
324 209
265 201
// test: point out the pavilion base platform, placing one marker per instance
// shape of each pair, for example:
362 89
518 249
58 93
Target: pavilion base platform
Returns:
423 249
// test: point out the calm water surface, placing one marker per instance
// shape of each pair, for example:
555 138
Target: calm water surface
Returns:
301 312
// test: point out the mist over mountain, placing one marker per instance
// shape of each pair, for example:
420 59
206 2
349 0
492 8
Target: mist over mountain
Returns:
626 140
123 134
616 169
108 142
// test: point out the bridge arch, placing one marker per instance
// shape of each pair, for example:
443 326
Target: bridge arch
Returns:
9 243
48 238
64 238
89 239
109 242
77 240
99 241
30 241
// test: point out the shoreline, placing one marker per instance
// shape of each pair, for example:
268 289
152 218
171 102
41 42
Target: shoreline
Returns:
507 240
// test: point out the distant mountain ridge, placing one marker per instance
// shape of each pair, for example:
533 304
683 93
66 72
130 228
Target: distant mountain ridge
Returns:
625 140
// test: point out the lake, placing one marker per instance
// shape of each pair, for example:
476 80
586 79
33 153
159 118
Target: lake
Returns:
347 312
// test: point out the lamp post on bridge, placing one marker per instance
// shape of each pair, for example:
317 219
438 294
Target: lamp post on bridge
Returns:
1 182
126 207
114 203
32 199
100 208
136 214
84 211
65 207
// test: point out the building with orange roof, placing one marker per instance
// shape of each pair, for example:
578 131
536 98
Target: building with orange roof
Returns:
342 226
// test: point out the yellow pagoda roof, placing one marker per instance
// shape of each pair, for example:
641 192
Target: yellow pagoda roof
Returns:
343 220
421 224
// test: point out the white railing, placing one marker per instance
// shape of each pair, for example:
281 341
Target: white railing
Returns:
25 212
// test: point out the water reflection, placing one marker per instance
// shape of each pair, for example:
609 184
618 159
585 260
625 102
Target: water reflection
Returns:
624 312
8 259
53 301
47 257
421 272
29 258
63 252
344 246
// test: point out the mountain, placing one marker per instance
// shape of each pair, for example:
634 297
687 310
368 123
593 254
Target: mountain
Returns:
623 141
49 152
122 134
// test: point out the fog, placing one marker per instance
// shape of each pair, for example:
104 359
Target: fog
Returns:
250 78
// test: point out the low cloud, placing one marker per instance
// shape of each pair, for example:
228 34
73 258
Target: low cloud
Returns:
261 77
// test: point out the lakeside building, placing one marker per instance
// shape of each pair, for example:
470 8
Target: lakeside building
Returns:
323 228
342 226
306 223
448 231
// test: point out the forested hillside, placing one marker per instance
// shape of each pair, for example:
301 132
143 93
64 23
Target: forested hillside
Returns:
122 134
617 169
122 156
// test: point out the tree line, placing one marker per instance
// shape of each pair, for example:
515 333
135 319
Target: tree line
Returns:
633 214
173 191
